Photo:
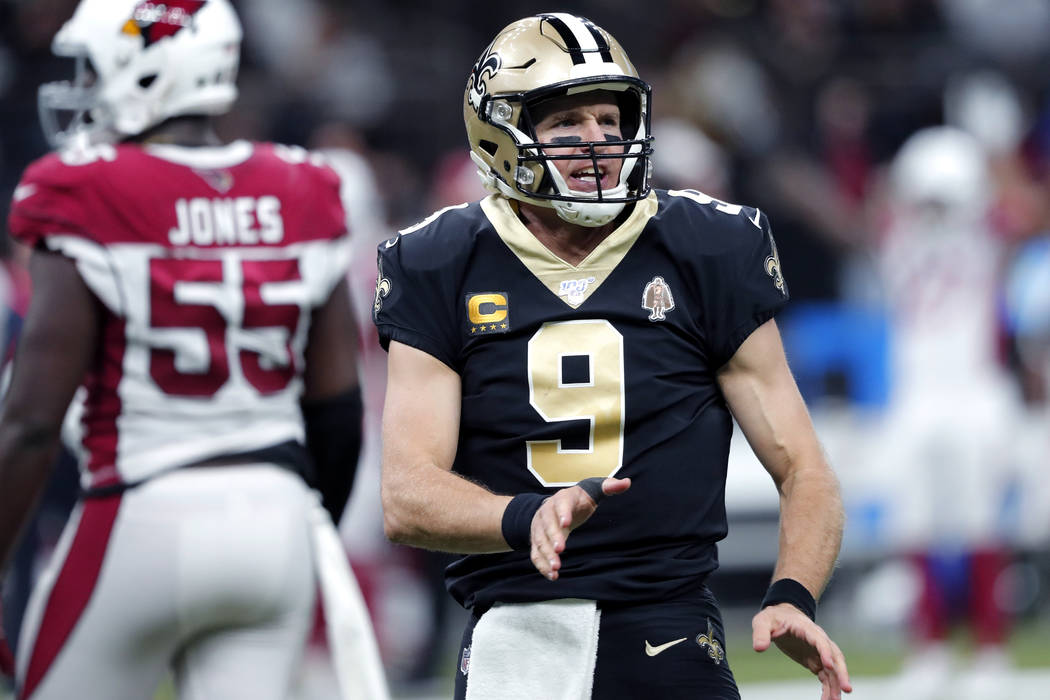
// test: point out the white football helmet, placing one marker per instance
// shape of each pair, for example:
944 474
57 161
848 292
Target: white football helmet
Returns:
537 58
140 63
947 168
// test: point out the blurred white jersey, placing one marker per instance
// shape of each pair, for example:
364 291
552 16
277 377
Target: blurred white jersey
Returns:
952 405
940 287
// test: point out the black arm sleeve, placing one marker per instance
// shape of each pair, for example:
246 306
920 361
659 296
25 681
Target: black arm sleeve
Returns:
333 438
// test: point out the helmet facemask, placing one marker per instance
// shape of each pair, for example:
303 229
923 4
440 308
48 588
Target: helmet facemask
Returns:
66 107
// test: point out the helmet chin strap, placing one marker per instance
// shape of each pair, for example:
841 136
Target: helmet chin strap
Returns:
584 213
589 214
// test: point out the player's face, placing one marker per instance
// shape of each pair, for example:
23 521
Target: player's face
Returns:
576 119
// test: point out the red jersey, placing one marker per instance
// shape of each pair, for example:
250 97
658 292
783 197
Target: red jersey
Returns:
208 262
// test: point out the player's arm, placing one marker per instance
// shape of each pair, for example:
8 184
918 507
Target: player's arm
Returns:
331 402
765 401
56 349
424 503
427 505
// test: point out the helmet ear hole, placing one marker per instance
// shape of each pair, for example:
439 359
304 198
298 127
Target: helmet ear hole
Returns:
147 80
489 147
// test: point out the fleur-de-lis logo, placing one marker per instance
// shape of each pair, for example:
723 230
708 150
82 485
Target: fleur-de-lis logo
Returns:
486 67
713 646
382 290
773 268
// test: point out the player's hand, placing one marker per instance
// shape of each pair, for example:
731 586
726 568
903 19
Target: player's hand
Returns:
559 515
7 659
804 641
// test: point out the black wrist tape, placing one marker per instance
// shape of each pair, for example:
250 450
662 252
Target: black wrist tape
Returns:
788 590
593 487
517 519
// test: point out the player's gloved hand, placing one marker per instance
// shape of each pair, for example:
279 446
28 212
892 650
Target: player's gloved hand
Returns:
562 513
804 641
7 659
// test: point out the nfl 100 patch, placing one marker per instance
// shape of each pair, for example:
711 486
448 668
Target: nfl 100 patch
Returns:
487 312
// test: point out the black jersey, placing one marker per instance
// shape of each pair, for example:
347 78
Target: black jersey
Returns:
606 368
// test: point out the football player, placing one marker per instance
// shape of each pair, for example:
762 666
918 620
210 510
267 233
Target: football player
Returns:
197 290
578 337
940 261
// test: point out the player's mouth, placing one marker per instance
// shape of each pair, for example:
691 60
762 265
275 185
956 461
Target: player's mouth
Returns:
588 179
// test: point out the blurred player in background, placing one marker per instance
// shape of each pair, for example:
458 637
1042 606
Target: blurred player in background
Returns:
952 408
532 373
197 290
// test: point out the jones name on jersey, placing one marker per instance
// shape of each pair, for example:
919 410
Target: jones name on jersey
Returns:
207 263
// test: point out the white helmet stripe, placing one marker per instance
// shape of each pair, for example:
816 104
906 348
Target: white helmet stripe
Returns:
584 41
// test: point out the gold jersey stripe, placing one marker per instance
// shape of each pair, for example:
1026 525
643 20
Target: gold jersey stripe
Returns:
551 270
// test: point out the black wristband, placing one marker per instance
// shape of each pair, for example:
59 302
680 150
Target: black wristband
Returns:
788 590
593 488
517 519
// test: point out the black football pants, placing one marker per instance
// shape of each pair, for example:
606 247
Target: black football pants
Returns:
667 650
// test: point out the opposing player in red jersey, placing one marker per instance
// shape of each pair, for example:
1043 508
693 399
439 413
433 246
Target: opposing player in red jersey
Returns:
197 291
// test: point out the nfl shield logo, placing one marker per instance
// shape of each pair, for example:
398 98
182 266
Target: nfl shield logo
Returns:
464 661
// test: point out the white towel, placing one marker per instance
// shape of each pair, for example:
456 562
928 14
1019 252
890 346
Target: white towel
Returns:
533 651
355 654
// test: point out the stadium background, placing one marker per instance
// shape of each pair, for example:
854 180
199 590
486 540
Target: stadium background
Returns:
795 106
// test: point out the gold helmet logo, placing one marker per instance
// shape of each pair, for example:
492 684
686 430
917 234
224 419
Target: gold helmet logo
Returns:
486 67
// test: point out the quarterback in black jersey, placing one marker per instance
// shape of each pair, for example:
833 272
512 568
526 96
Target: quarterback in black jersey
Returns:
579 337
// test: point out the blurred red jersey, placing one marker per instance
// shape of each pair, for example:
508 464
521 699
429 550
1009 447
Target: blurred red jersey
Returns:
208 263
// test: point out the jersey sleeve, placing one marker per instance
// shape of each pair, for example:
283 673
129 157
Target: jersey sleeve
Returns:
328 211
744 286
413 304
47 201
328 216
313 213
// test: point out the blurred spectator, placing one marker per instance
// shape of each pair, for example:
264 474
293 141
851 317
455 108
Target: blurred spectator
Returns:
328 63
1022 34
685 158
455 181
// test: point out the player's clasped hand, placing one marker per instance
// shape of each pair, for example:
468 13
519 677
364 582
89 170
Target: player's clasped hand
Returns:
559 515
804 641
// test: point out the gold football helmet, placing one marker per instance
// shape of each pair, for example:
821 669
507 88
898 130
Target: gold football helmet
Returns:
532 60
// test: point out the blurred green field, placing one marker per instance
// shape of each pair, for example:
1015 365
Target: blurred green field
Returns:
1029 648
867 656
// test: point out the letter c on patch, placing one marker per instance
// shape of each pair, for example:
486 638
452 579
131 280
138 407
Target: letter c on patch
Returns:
487 308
